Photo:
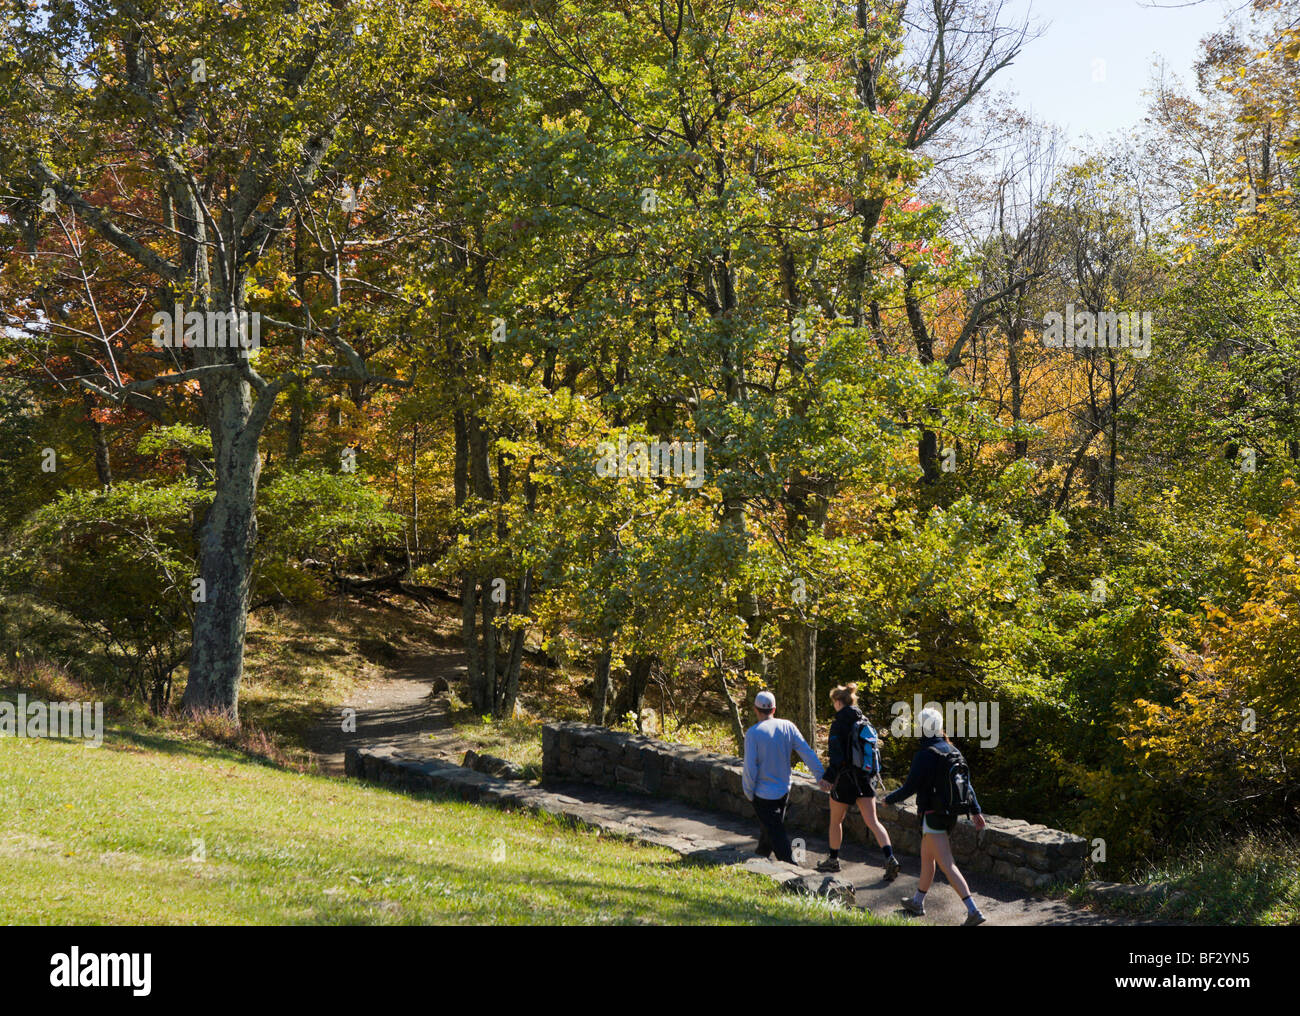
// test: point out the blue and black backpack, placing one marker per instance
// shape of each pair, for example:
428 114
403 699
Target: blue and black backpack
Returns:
864 748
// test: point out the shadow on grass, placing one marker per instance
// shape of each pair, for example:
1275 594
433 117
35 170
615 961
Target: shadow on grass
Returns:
133 727
766 901
127 739
517 892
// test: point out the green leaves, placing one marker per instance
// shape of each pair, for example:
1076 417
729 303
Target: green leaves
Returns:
324 516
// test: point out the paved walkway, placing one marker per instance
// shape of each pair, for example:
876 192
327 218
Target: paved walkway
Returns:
398 714
1003 904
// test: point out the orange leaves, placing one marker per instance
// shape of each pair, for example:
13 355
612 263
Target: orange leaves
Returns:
110 415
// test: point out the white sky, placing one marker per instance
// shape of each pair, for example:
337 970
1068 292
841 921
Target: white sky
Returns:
1130 39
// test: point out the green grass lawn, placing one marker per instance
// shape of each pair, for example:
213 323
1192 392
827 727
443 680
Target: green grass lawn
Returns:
108 835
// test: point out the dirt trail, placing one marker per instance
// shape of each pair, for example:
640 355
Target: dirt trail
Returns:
398 710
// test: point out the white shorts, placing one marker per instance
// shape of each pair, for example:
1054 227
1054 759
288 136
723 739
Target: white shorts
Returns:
925 828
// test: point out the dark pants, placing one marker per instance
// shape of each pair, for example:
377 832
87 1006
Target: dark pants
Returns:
772 836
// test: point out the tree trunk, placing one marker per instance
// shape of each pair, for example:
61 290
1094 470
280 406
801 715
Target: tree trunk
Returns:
928 445
468 583
103 464
414 554
733 713
486 693
226 548
510 690
796 677
601 685
632 694
478 450
298 392
469 633
1020 448
1113 460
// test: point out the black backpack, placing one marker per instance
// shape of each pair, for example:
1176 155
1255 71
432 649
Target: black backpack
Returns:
953 793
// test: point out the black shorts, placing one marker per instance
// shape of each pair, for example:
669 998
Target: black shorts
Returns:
850 785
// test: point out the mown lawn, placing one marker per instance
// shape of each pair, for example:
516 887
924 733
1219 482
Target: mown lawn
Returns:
109 835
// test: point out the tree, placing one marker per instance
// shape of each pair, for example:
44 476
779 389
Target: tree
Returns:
234 121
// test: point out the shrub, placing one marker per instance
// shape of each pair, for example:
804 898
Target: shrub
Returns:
119 561
326 518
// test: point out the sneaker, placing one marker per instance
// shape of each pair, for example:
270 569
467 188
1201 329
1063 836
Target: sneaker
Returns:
912 907
974 919
830 864
892 868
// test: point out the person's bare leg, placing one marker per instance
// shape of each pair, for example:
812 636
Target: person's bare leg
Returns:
927 862
943 853
836 832
867 807
915 904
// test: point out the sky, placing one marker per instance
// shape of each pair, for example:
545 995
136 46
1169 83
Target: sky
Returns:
1088 70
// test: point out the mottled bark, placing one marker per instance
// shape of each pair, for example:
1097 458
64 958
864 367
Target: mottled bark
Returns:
227 544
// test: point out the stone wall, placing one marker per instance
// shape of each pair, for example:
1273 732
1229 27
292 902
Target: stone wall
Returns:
1027 855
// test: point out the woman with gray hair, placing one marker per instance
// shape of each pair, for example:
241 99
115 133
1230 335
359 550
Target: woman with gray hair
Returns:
938 768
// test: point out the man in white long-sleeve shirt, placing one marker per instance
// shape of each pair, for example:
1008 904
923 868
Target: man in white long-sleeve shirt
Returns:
768 745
